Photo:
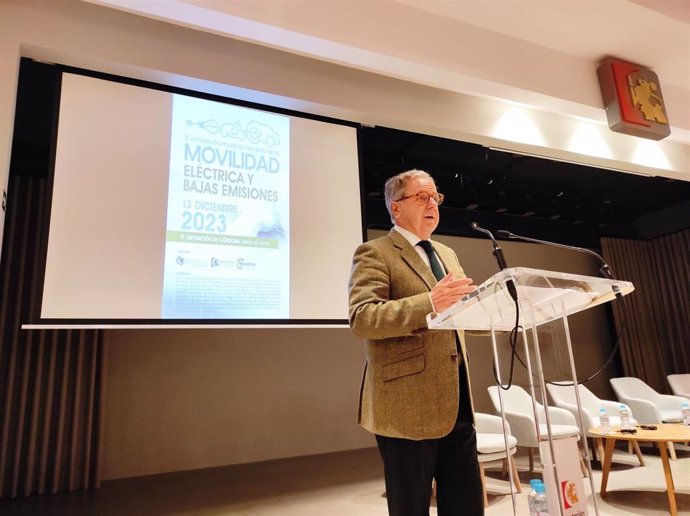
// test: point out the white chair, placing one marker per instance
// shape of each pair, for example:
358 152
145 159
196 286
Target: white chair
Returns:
649 405
519 413
563 396
491 447
680 384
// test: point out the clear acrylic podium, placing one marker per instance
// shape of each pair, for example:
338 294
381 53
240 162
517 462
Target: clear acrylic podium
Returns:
542 297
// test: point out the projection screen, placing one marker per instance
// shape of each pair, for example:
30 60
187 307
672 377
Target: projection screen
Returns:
171 207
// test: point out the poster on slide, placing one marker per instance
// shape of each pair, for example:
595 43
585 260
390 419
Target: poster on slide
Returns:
227 250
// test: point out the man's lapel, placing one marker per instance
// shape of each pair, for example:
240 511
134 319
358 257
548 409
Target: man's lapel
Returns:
410 255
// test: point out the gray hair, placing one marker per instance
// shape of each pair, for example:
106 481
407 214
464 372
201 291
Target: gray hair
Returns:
395 186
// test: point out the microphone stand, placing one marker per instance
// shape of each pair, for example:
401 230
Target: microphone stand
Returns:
498 253
512 290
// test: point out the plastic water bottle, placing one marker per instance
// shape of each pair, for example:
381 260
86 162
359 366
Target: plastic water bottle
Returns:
624 415
541 503
532 495
685 410
604 421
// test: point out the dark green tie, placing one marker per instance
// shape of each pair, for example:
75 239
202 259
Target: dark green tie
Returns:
436 267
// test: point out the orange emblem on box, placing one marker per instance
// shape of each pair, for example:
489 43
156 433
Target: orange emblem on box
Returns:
633 100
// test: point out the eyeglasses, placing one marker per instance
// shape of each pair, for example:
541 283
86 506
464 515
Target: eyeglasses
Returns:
422 198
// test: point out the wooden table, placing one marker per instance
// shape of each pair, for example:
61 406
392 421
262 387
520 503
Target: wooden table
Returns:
664 434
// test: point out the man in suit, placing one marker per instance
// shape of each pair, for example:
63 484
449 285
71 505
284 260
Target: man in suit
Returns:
415 392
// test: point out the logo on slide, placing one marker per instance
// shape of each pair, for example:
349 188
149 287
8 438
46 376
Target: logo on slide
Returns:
243 264
254 132
179 260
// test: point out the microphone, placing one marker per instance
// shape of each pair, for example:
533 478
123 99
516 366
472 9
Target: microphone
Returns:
498 252
604 269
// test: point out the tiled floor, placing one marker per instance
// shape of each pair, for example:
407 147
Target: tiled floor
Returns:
339 484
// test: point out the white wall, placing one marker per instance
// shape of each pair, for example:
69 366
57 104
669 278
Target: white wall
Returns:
187 399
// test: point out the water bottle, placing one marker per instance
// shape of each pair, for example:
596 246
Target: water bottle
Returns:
532 495
541 504
685 410
604 421
624 415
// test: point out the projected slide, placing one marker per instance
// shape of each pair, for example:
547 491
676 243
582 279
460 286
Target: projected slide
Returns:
227 244
173 207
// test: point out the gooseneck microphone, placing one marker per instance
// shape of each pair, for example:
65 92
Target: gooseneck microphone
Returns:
604 268
498 252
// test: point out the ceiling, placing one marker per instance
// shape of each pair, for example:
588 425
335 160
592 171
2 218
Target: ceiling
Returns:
534 52
541 53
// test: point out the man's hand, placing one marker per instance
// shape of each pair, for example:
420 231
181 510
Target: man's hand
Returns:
449 290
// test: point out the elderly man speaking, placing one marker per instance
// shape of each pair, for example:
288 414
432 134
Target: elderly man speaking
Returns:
415 393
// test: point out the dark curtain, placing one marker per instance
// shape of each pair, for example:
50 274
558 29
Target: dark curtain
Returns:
656 318
51 381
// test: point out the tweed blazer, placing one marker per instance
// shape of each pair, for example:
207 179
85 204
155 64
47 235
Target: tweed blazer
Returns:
410 384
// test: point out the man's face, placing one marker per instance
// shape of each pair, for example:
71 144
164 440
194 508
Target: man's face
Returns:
421 220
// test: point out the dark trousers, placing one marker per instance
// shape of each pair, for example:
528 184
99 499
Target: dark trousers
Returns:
409 467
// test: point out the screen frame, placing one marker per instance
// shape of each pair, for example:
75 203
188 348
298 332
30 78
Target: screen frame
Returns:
37 322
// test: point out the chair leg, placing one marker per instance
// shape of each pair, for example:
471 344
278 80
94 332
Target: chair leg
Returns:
531 459
672 451
636 447
592 445
504 473
600 449
516 478
481 472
